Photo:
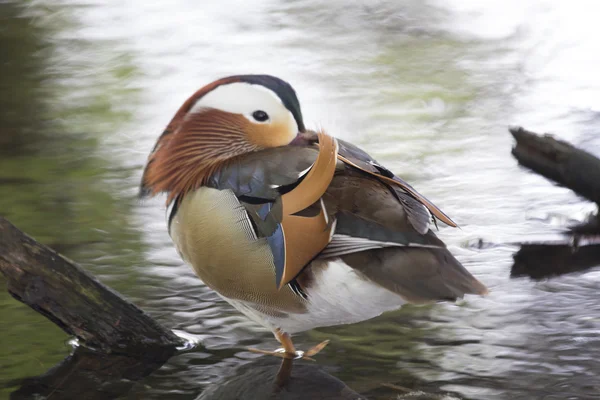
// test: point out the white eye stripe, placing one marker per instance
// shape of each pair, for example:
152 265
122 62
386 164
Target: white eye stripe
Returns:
245 99
239 98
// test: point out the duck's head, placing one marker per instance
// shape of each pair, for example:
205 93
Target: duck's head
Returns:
225 119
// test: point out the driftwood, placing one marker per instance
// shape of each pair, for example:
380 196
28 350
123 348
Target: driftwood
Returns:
559 161
76 301
564 164
577 170
122 343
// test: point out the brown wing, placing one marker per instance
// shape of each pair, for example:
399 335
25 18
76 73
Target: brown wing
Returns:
359 159
417 275
375 235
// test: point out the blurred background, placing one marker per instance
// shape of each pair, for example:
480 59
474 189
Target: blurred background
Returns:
427 87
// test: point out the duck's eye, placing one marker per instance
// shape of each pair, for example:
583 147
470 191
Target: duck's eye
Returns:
260 116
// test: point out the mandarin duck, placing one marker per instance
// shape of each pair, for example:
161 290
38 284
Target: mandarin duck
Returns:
294 228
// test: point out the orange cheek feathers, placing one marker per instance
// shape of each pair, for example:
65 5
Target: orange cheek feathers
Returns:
269 135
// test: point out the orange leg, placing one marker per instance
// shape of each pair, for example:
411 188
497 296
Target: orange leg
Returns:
289 351
286 341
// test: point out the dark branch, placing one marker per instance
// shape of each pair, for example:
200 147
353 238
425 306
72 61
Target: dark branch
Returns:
559 161
75 300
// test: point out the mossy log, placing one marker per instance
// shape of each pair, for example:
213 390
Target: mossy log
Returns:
76 301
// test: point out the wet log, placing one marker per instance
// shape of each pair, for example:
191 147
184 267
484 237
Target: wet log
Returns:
559 161
76 301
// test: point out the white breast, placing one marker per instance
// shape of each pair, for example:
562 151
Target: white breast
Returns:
338 295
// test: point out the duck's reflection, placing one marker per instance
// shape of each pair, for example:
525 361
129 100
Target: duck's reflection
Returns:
270 378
